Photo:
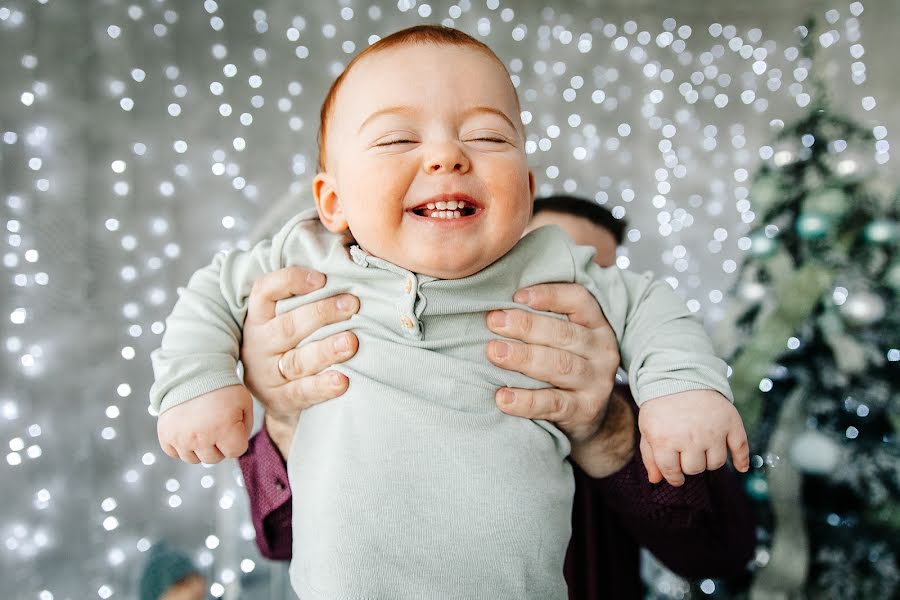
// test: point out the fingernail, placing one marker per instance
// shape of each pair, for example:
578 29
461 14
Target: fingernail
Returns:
315 278
498 318
507 396
344 303
501 350
522 297
336 379
342 344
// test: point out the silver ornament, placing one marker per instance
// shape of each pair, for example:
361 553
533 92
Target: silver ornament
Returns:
762 246
829 201
813 225
752 291
815 453
862 308
881 231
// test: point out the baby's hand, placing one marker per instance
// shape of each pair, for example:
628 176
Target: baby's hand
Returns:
690 432
209 428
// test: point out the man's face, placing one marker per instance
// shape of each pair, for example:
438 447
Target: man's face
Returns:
583 232
421 124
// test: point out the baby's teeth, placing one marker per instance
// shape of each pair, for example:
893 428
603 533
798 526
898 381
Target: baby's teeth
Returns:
431 206
441 205
446 214
452 205
461 204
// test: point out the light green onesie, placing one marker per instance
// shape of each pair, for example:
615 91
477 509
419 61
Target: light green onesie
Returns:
413 484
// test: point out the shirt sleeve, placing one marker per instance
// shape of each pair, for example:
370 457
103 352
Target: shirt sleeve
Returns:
202 340
705 528
663 346
266 481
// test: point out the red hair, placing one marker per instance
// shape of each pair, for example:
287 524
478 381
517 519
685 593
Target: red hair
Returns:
419 34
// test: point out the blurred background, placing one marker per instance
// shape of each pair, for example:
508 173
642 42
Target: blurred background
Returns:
749 151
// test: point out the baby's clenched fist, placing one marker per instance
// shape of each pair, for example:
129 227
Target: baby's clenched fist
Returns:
208 428
690 432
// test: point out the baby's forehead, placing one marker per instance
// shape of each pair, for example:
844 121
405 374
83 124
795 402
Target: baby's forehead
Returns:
399 56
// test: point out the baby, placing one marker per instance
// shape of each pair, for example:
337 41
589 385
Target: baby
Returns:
422 195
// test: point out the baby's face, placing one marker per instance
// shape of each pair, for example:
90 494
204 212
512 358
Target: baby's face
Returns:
420 125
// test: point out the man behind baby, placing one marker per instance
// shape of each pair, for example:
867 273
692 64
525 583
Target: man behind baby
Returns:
422 196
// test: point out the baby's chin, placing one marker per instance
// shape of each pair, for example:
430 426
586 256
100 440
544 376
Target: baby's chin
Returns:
444 268
431 263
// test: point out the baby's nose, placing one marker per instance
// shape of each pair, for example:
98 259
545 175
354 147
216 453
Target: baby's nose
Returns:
447 158
445 166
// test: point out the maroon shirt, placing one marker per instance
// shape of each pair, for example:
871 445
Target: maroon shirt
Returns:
704 528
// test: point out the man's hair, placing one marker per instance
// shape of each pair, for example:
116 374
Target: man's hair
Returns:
437 35
586 209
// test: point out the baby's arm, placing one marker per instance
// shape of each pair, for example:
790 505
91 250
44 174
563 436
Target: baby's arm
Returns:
674 374
205 412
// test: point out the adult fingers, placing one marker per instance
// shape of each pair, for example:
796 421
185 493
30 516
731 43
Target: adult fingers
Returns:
549 404
670 466
313 389
542 330
654 475
715 457
209 456
569 299
289 399
693 462
317 356
277 285
285 331
740 450
559 368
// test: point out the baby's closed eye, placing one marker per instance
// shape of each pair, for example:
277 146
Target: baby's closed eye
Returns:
489 139
395 142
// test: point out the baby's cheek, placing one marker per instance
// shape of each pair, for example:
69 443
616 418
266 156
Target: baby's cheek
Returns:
377 234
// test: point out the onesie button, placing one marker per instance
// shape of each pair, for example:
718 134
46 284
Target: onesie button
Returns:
407 322
409 285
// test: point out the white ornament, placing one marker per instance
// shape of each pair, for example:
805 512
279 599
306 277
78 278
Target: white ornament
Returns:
862 308
815 453
753 291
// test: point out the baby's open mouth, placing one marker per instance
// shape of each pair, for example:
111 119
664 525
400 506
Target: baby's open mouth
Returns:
451 209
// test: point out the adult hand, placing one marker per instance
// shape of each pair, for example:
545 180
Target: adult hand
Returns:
269 339
579 357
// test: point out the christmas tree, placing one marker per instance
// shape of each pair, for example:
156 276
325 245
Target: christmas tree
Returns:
815 373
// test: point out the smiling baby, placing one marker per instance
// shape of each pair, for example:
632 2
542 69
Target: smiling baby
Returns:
413 484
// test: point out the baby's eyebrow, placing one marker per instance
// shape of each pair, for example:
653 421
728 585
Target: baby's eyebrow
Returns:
402 110
492 110
411 110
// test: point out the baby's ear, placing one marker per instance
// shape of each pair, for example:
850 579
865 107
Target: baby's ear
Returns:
331 213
